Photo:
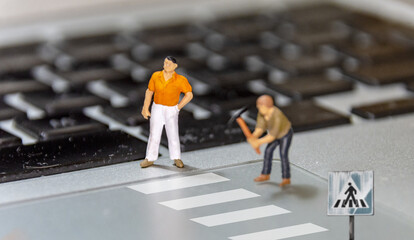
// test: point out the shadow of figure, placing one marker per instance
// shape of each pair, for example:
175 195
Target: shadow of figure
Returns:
172 167
302 191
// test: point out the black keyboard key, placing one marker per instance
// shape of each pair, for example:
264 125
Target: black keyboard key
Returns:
90 40
238 53
316 13
134 91
170 40
78 52
314 39
19 63
231 57
306 115
20 49
244 28
7 140
219 106
172 43
232 78
95 52
305 87
130 115
311 63
7 112
222 100
403 34
69 154
61 104
385 73
19 59
20 85
209 133
59 127
369 26
310 35
376 53
385 109
410 86
81 77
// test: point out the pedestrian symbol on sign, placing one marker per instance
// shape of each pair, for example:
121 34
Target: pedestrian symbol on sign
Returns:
350 197
351 191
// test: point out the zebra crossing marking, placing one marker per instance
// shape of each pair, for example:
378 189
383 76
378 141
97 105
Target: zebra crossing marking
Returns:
282 233
240 215
223 197
178 183
209 199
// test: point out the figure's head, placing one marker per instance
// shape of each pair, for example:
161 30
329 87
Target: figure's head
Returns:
170 64
264 104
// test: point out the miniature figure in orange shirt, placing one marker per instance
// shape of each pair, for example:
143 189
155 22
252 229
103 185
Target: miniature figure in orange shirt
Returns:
166 87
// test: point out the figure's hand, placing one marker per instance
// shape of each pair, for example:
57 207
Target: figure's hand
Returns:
145 113
254 142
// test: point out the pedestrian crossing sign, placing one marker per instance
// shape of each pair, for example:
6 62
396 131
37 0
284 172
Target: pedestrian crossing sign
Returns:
351 193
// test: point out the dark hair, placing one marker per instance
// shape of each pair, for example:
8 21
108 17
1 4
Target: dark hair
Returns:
172 59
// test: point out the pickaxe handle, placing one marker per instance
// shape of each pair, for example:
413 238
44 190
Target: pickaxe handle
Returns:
246 130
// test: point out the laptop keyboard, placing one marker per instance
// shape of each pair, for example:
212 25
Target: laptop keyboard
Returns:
296 55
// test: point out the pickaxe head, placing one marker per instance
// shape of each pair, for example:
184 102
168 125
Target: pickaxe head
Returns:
237 114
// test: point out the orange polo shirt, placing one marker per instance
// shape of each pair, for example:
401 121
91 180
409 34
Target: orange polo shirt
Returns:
168 92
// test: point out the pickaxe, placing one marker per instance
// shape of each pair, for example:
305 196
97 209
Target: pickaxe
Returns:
246 131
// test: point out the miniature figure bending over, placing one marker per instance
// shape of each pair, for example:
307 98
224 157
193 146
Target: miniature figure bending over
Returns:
279 132
166 86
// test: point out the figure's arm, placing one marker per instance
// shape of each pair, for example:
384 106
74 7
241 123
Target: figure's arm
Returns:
266 139
257 132
271 136
186 99
145 109
256 142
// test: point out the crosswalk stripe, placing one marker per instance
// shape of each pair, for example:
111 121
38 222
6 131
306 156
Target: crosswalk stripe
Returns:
282 233
178 183
350 204
209 199
240 215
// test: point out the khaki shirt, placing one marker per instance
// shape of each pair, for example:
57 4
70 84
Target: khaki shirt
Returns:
277 126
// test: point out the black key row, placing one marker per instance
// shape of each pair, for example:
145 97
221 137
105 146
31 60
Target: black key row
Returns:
68 154
59 127
385 109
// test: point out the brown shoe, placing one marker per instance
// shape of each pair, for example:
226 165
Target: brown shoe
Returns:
146 163
262 178
178 163
285 182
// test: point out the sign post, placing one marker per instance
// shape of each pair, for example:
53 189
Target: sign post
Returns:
350 194
351 227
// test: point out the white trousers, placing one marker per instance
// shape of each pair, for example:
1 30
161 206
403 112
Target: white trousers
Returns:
163 115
